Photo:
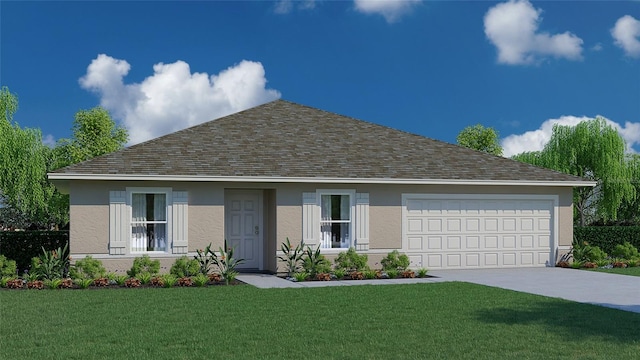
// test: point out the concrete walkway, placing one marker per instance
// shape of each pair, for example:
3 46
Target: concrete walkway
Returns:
610 290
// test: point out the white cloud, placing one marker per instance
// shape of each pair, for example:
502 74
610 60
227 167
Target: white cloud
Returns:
173 98
537 139
286 6
626 34
513 28
49 140
597 47
392 10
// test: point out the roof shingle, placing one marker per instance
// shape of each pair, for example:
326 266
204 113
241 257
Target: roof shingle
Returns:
281 139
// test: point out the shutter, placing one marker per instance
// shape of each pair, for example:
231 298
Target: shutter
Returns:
119 227
362 221
310 220
179 222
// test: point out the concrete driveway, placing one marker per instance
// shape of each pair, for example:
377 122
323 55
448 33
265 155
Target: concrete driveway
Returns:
615 291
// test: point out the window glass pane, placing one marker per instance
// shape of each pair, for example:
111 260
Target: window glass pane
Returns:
160 207
325 204
139 207
145 235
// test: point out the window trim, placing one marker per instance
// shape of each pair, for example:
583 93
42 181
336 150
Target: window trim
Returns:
352 215
167 191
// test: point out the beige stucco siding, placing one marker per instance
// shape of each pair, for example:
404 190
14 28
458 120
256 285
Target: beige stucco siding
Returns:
89 208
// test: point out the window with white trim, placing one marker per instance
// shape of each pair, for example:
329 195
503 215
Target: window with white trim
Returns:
336 219
149 226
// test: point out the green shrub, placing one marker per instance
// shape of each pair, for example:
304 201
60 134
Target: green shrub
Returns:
291 257
183 267
392 273
625 251
339 273
87 268
584 252
144 264
7 267
350 261
200 280
395 261
422 272
607 237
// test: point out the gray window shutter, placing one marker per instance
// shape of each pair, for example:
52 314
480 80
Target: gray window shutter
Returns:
180 222
119 228
310 220
362 221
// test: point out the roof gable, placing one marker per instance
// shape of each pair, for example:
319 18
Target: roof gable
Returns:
281 139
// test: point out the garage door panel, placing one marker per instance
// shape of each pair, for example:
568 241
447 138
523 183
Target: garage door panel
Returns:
472 233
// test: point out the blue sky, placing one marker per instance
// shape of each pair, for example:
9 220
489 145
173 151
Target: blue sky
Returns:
427 67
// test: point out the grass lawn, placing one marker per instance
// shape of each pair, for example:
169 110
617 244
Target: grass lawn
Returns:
633 271
413 321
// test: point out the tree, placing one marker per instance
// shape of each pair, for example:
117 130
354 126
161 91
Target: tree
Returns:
24 163
480 138
94 134
592 150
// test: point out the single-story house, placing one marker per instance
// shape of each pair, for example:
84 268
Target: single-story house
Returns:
283 170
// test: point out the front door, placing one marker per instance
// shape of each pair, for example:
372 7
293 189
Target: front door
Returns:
243 226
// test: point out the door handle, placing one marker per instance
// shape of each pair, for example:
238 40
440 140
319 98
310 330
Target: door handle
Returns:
257 230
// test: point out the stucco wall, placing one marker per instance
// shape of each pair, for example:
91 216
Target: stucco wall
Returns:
89 202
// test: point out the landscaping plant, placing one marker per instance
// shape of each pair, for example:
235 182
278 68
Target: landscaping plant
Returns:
8 267
625 251
87 268
226 263
350 261
184 267
51 264
292 257
315 263
395 261
144 264
204 259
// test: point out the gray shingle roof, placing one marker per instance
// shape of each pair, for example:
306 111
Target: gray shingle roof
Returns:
284 139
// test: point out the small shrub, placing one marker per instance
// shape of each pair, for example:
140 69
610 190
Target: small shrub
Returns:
395 261
88 267
590 265
408 274
356 275
300 276
583 252
369 274
602 262
576 264
15 284
8 267
101 282
156 281
351 261
422 272
144 277
226 263
52 264
53 283
169 280
83 283
204 259
144 264
120 279
66 283
392 273
215 277
183 266
35 285
132 283
185 281
200 280
625 251
323 277
339 273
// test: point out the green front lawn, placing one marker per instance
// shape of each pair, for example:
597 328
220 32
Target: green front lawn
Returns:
442 320
633 271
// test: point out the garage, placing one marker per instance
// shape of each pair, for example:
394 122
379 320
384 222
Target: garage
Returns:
457 231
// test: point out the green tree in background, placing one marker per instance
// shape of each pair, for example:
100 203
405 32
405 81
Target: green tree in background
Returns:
26 194
480 138
94 134
592 150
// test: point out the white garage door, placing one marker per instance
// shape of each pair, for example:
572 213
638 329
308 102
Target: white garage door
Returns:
478 231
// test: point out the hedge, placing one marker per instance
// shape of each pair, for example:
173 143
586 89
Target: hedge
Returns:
21 246
607 237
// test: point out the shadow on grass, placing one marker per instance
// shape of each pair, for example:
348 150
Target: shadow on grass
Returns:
569 320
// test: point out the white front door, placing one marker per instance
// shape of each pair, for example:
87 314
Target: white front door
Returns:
243 226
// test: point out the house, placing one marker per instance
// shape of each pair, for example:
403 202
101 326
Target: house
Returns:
283 170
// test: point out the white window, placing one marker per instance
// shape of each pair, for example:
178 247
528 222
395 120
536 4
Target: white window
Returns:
335 219
153 219
148 222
